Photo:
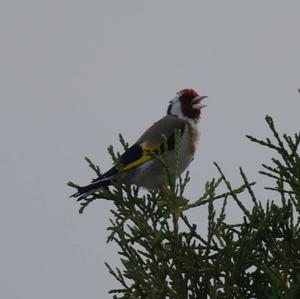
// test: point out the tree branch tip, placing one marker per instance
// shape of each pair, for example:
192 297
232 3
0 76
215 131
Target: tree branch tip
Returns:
216 164
71 184
82 208
268 118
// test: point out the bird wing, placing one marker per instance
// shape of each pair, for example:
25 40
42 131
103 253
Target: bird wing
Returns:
150 142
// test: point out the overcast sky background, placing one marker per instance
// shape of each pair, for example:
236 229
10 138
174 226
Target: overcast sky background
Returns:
73 74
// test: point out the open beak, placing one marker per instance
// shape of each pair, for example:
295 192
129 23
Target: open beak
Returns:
197 102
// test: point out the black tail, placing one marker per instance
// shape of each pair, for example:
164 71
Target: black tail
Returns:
84 191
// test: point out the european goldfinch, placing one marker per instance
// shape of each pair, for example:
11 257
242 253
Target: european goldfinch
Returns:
140 167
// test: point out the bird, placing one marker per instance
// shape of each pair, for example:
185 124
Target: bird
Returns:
139 165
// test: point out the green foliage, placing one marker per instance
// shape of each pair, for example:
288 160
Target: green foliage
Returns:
164 255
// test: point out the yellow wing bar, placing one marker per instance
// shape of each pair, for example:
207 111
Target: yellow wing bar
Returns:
146 156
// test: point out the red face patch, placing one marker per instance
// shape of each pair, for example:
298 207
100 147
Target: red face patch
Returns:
186 98
188 111
188 93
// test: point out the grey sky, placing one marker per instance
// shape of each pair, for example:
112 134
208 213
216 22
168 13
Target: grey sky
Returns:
73 74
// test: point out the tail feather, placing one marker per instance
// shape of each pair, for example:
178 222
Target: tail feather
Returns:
85 191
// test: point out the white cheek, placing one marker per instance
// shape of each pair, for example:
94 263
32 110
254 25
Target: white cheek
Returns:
177 109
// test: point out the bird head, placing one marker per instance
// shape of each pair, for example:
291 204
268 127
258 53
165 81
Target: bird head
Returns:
187 104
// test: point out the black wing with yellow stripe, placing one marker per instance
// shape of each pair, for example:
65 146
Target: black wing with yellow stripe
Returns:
150 142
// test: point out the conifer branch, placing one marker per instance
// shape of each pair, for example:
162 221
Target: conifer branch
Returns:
164 254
